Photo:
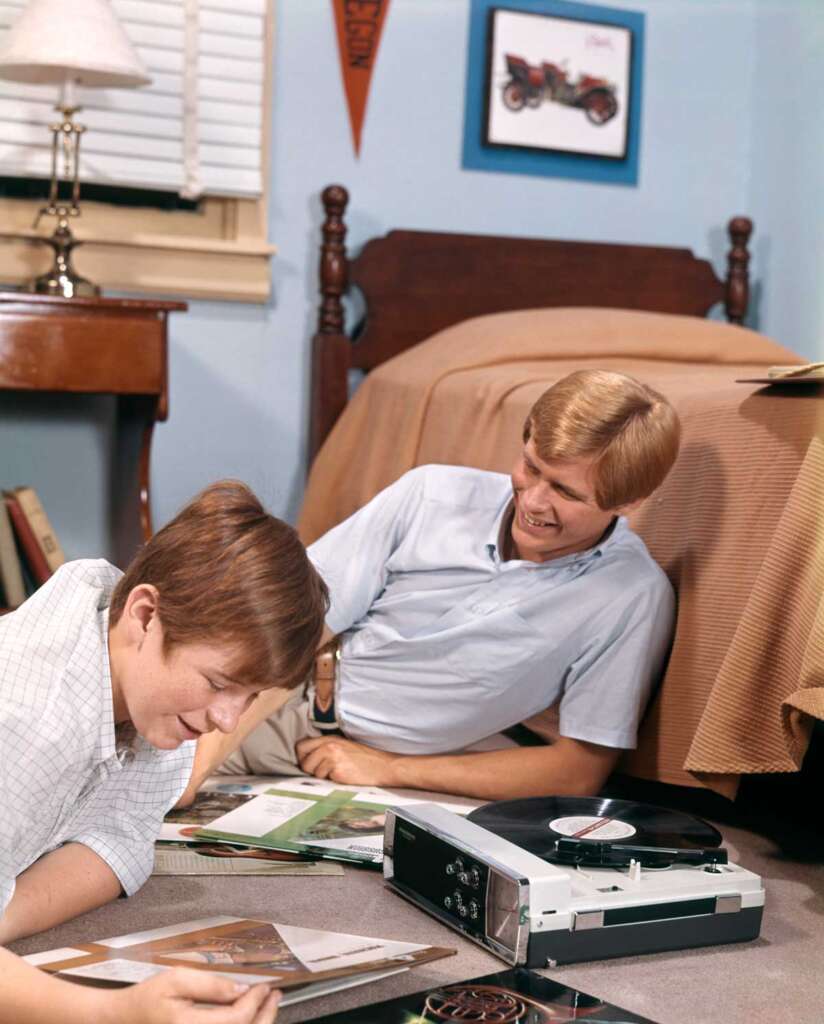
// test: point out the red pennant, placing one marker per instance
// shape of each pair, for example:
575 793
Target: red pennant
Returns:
359 24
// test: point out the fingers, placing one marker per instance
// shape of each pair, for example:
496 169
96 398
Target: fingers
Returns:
318 763
258 1005
200 986
306 746
316 760
269 1008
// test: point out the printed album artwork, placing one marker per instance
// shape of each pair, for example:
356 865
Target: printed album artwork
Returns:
182 823
179 851
311 817
334 825
246 951
517 996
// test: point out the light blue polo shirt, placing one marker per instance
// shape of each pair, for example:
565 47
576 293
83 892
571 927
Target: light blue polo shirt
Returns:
445 643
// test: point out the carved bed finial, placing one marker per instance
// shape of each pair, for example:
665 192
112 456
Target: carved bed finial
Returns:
333 264
738 277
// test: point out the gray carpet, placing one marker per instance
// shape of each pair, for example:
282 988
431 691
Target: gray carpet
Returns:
778 977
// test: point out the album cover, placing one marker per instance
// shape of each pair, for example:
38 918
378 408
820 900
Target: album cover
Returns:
246 951
314 818
516 996
218 796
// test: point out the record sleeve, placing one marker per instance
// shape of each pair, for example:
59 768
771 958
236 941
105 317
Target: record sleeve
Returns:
517 996
304 962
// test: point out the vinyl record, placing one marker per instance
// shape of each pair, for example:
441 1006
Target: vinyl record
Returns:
592 830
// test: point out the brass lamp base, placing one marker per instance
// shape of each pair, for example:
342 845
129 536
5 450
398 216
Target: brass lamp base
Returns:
62 279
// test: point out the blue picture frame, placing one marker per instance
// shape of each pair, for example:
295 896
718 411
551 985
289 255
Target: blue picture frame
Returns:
480 149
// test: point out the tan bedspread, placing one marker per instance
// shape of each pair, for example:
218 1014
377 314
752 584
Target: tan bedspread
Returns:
736 526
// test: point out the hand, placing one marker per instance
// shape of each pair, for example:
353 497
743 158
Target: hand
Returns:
173 998
342 760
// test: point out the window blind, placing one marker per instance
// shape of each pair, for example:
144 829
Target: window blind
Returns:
197 129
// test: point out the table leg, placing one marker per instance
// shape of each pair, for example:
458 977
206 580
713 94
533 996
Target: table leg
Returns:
130 497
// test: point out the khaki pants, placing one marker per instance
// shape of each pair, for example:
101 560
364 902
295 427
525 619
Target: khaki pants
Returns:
270 749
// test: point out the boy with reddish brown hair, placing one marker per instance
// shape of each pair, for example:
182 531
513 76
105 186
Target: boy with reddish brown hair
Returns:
105 678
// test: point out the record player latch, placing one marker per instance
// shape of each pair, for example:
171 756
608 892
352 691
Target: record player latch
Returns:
585 919
728 904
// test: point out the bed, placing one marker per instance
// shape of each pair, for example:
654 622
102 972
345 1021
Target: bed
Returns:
460 333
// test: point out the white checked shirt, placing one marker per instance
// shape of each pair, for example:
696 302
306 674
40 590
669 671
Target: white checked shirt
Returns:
65 776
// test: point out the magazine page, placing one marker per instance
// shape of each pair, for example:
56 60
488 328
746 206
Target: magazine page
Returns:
245 950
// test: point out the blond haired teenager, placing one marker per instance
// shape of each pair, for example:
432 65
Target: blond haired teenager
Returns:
465 602
106 681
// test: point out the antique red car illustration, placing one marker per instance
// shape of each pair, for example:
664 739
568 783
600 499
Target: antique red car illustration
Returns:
529 85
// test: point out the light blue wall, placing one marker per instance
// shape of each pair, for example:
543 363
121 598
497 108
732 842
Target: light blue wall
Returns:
694 176
787 186
239 374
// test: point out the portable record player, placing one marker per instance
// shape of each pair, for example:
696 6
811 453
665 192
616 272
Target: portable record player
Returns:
547 881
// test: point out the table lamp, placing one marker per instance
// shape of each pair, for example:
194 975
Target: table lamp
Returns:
56 42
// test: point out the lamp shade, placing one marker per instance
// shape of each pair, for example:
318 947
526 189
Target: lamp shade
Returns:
81 40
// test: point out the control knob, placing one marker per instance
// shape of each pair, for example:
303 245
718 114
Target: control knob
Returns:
470 878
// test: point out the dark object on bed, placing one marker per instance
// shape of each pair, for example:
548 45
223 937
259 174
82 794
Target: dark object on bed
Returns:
415 283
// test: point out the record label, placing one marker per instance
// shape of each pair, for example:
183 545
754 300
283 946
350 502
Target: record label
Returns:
585 826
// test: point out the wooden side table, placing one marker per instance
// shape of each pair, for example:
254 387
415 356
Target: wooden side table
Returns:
97 346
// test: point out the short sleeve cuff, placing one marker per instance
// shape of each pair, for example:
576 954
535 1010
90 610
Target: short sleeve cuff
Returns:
6 893
131 862
623 740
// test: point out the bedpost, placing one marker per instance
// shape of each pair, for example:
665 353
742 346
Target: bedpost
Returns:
333 265
737 284
330 346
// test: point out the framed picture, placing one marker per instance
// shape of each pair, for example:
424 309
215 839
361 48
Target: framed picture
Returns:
554 88
557 83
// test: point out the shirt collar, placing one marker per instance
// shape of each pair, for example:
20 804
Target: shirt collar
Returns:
106 743
497 540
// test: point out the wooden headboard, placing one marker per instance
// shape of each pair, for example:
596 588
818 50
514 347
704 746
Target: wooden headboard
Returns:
415 283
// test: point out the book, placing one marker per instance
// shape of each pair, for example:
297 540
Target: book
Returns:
29 546
33 510
517 995
304 962
316 818
11 575
179 858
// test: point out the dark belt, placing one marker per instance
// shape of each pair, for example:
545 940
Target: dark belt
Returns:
324 674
